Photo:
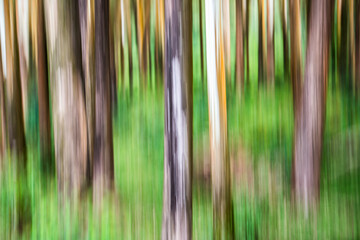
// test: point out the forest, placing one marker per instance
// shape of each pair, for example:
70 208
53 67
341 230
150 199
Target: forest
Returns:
179 119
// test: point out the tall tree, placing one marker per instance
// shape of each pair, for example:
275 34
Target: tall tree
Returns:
43 92
239 46
67 95
177 207
2 113
159 36
357 43
309 128
284 26
261 42
86 20
246 34
103 178
201 43
223 218
227 37
296 62
270 62
15 118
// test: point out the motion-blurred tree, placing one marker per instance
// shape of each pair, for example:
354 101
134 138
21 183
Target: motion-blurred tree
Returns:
177 204
239 46
223 218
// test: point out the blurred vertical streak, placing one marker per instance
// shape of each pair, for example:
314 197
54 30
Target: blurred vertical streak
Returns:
159 38
223 216
2 115
227 37
15 118
261 42
178 150
357 44
67 96
309 128
43 93
284 28
246 41
239 47
202 56
270 62
103 178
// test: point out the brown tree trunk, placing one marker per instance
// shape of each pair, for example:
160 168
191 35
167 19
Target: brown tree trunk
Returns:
113 78
119 48
15 118
246 43
309 128
43 93
270 63
223 218
352 41
128 11
2 114
227 37
67 95
103 152
177 210
296 62
239 47
284 24
159 39
261 42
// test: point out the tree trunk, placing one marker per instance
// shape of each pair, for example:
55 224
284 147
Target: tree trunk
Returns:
15 118
223 218
159 38
2 114
261 42
239 47
284 25
43 93
177 207
227 37
201 44
247 14
296 62
113 78
103 152
343 42
67 95
352 41
128 10
270 42
309 128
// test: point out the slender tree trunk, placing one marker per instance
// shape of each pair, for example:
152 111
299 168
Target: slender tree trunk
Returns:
67 95
284 25
2 114
343 41
223 218
247 14
113 78
227 37
309 128
128 10
13 87
103 152
261 42
296 62
352 41
201 44
119 48
239 47
159 38
43 93
177 210
270 42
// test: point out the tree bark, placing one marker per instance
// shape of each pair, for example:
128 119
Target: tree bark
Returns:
15 120
296 61
261 42
309 128
103 152
284 26
223 218
239 47
270 63
177 207
67 95
43 93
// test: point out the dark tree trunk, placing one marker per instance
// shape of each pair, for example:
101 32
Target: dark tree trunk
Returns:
270 62
15 120
43 93
343 42
309 128
296 62
2 114
261 42
177 207
223 216
239 47
103 152
284 24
